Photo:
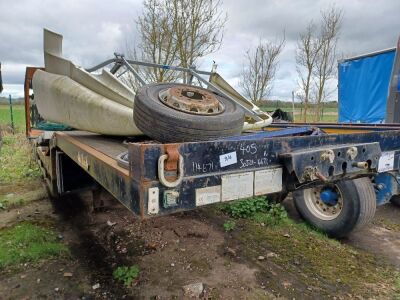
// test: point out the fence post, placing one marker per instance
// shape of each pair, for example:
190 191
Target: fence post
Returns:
322 111
293 106
11 113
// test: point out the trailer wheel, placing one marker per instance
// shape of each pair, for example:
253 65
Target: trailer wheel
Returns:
395 200
169 112
339 208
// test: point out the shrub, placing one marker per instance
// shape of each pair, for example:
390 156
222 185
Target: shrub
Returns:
126 275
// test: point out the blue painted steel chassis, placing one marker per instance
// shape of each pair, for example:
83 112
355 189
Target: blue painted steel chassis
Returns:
294 157
304 157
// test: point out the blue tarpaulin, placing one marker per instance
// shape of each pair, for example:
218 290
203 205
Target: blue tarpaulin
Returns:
363 87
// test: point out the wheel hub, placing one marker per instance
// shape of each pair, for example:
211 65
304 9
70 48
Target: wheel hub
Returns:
329 197
324 203
191 100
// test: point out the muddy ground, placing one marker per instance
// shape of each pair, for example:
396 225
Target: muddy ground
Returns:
250 262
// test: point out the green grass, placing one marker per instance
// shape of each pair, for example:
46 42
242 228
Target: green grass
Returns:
16 159
325 118
297 108
27 242
18 115
397 295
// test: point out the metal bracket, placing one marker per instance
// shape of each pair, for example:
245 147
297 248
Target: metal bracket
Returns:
332 162
153 205
161 174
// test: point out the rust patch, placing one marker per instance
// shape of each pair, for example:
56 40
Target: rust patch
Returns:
173 157
191 100
27 85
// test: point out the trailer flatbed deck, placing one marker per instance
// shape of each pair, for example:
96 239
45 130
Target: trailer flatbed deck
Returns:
200 173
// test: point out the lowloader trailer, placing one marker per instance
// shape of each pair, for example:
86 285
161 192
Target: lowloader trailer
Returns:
338 173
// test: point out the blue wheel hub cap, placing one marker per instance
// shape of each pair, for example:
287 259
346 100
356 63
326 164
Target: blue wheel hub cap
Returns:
329 196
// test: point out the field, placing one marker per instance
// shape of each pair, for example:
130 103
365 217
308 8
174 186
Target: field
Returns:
329 114
18 115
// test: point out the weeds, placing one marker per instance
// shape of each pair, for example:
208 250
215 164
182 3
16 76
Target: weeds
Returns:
246 208
16 159
257 209
126 275
229 225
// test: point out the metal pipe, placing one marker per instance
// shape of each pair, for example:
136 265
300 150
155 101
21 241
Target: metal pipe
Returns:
115 67
119 59
367 54
134 72
320 176
101 65
166 67
122 73
360 165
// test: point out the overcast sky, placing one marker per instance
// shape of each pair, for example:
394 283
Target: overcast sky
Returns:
93 30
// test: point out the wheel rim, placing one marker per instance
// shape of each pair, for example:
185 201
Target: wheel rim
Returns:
322 208
191 100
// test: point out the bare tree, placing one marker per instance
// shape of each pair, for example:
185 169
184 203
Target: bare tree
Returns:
308 48
325 66
198 28
156 35
260 69
315 58
177 32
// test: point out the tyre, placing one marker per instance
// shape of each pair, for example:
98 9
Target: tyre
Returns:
339 208
395 200
171 112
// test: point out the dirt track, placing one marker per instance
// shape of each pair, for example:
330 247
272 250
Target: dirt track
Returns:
186 248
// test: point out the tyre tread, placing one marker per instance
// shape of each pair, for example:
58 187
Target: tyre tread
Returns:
368 201
164 124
